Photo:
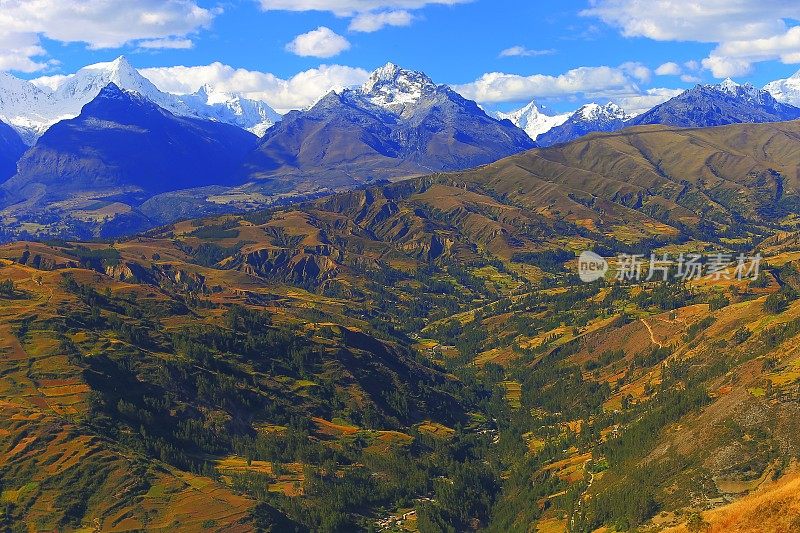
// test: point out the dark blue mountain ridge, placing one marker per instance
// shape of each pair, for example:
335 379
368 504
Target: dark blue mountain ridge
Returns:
11 149
718 105
124 142
591 118
699 107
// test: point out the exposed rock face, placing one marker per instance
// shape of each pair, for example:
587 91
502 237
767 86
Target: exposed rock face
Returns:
718 105
398 123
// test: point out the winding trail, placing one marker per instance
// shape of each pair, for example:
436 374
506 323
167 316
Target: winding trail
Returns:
650 330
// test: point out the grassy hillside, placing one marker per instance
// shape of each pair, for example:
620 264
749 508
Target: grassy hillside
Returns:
421 356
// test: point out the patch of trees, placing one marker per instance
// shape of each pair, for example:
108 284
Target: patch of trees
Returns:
7 288
95 258
548 260
779 301
605 359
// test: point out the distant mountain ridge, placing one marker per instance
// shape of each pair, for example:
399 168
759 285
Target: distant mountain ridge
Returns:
701 106
786 90
718 105
590 118
121 150
398 123
533 120
32 109
11 149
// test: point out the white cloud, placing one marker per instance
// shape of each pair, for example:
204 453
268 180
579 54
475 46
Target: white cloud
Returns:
637 71
745 31
297 92
98 23
693 65
691 20
322 42
348 8
371 22
367 15
727 67
497 87
21 51
636 104
736 57
669 69
521 51
51 82
170 43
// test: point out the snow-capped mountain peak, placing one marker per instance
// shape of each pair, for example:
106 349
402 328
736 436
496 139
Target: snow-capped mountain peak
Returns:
231 108
31 109
786 90
80 89
395 89
729 86
746 91
533 120
596 112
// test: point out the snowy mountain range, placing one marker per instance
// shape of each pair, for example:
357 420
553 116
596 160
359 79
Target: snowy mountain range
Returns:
32 109
701 106
534 120
786 90
717 105
398 123
590 118
394 89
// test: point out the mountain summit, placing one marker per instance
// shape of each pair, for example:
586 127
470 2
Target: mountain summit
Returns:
122 149
32 109
397 90
718 105
786 90
534 120
398 123
590 118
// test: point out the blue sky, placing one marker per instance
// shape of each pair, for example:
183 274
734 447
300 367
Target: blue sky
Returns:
562 53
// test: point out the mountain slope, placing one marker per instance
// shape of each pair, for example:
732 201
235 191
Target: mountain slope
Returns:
398 123
420 354
590 118
717 105
786 90
11 149
33 109
125 148
24 106
534 121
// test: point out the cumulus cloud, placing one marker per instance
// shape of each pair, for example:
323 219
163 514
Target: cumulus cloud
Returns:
297 92
367 15
521 51
669 69
495 87
348 8
98 23
638 103
322 42
51 82
727 67
689 20
171 43
746 31
21 51
371 22
734 58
